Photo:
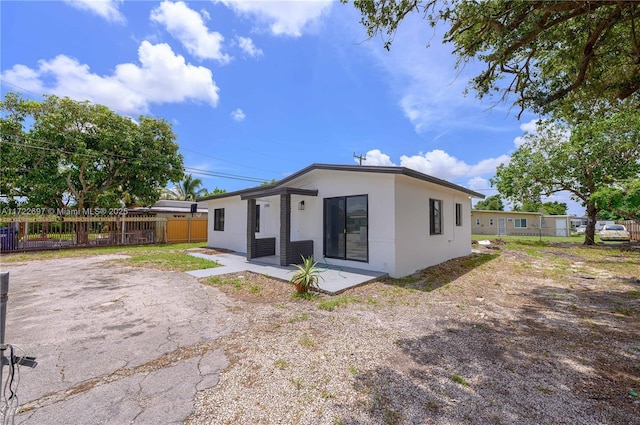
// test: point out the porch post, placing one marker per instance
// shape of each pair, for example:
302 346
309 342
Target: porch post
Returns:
251 229
285 229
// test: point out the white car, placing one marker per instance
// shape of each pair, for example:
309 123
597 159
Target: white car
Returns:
581 229
615 232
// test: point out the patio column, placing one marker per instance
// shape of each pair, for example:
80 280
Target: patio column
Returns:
285 229
251 229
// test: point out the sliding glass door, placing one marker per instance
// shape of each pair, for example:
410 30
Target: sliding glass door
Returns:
346 224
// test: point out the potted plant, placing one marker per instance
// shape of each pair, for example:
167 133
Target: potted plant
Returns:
306 276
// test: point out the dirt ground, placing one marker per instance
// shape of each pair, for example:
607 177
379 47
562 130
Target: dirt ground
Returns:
525 333
510 335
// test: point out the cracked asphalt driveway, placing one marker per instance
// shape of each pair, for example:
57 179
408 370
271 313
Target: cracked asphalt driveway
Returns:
114 344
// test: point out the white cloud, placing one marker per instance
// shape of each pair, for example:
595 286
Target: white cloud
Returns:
481 185
527 127
429 90
375 157
290 18
439 163
436 163
238 115
247 46
161 77
488 166
108 9
422 75
24 77
478 183
188 26
542 128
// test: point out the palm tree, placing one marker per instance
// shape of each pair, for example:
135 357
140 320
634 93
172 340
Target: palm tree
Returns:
186 190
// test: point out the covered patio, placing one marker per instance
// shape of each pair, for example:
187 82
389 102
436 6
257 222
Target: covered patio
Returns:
335 279
290 251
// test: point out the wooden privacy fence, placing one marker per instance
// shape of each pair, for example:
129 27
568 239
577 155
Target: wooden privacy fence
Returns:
186 229
54 232
633 227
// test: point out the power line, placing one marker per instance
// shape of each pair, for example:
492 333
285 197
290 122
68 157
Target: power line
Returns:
229 162
21 88
181 148
94 155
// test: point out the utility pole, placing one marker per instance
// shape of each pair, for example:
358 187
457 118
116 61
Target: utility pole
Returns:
360 157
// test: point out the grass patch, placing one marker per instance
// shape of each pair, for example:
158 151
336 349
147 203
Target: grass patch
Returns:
331 304
459 380
309 296
401 281
297 382
164 257
327 394
236 282
372 301
633 293
170 260
440 275
299 318
578 239
305 341
544 390
622 309
281 364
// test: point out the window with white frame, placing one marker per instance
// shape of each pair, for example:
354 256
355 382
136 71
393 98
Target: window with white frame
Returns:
477 222
520 222
490 222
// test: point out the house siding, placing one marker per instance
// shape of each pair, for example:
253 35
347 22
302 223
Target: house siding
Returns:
415 247
398 236
308 224
486 227
234 236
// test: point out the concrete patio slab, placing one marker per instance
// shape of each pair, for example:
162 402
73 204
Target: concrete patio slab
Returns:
335 279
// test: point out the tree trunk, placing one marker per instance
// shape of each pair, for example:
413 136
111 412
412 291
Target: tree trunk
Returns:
590 232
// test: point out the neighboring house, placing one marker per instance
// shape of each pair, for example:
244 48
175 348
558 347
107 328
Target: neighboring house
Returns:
601 223
173 208
389 219
185 222
578 221
516 223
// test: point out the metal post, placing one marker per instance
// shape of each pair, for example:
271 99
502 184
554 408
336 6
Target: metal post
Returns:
4 291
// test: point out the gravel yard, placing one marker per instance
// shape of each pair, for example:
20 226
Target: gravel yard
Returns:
525 334
517 333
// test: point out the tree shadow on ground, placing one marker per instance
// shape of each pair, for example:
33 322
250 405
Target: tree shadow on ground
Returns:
441 274
569 356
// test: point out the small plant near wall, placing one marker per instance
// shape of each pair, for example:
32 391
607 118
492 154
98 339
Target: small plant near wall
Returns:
306 276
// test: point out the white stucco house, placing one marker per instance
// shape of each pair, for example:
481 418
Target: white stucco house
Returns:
386 219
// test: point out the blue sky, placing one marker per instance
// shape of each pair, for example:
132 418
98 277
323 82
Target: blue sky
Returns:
262 89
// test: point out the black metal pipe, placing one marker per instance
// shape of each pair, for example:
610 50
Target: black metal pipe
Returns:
4 297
